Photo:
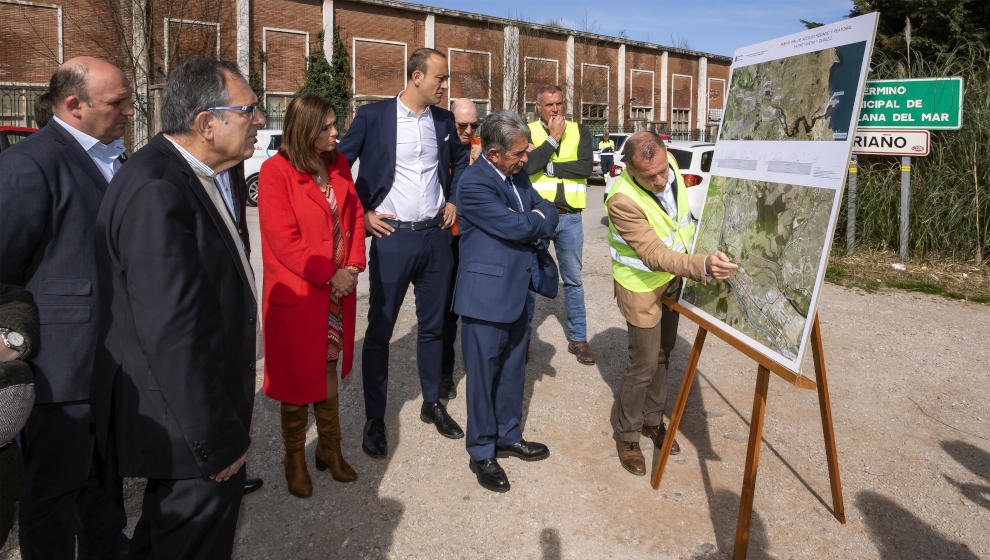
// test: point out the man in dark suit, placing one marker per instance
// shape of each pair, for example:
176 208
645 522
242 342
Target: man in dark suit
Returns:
410 158
501 218
51 185
177 409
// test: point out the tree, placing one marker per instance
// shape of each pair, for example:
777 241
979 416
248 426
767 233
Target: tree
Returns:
330 80
937 26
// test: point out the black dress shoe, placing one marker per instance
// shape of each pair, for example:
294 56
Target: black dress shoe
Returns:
490 475
252 484
374 442
447 389
434 413
525 450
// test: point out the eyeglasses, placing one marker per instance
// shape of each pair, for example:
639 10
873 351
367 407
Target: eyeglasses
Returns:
250 109
464 126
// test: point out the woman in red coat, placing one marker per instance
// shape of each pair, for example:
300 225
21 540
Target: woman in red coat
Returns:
312 245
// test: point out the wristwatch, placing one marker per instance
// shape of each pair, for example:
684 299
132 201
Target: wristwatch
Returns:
14 340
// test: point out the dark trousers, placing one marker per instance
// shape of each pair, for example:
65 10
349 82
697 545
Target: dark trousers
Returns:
190 519
450 321
643 394
424 259
606 162
69 491
495 361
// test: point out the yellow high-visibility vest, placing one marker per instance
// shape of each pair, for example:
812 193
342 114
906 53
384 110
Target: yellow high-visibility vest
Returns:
575 190
627 268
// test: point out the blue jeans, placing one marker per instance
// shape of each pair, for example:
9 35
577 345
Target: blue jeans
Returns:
568 243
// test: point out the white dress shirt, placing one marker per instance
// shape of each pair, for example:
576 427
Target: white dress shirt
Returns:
221 180
416 193
105 156
667 197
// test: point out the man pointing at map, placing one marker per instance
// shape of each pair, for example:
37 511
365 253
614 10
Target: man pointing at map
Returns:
650 232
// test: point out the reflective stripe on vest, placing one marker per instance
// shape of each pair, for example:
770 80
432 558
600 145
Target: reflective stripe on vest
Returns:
627 268
575 190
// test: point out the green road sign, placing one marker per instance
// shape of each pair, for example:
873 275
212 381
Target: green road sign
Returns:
918 103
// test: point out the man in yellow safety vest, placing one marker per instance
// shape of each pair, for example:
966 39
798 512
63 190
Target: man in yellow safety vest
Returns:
650 233
559 168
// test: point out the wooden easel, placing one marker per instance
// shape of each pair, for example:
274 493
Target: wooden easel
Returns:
766 366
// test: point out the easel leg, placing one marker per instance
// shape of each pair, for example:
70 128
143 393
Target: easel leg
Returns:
752 460
675 418
825 405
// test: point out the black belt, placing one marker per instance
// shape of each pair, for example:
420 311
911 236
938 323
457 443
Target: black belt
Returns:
425 224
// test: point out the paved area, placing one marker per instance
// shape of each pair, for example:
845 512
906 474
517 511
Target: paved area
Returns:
908 376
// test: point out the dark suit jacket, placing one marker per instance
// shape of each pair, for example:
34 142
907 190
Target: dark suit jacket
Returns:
182 336
50 191
496 243
371 138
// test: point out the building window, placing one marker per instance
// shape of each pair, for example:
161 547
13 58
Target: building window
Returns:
715 115
593 112
641 113
17 105
680 120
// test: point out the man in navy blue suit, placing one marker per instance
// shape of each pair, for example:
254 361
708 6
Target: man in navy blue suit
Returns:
410 158
51 186
501 220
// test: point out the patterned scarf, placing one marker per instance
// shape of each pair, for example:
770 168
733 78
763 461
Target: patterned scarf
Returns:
335 326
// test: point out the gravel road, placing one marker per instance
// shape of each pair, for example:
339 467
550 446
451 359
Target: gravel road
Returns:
908 375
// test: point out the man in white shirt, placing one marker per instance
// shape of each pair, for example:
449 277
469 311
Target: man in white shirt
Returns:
51 186
411 158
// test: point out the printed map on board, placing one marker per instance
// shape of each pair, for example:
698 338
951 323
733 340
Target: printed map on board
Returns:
803 97
776 234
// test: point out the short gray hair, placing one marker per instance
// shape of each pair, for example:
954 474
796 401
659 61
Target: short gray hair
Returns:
500 128
69 80
196 84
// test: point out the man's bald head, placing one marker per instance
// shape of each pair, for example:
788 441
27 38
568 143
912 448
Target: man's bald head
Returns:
93 96
646 160
466 117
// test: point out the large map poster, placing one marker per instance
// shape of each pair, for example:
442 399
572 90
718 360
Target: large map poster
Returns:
777 178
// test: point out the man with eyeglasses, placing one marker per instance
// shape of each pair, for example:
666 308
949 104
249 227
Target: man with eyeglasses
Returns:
51 185
466 121
176 405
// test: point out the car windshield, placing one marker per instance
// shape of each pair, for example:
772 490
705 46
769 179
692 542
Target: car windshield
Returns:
683 157
275 142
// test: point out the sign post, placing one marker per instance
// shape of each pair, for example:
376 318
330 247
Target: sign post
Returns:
920 104
851 201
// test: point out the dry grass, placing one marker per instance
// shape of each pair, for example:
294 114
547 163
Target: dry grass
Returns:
871 269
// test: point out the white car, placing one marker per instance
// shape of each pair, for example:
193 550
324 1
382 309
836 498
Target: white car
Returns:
695 162
264 147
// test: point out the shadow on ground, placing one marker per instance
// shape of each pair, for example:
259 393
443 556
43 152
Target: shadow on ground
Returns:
899 534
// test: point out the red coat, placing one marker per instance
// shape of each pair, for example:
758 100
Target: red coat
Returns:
296 248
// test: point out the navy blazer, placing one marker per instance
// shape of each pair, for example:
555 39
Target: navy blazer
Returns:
372 139
181 342
496 251
50 192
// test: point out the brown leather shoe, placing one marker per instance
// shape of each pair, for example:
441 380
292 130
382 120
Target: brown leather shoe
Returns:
328 453
582 351
657 433
294 420
631 457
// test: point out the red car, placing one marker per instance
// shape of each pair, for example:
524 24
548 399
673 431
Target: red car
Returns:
10 135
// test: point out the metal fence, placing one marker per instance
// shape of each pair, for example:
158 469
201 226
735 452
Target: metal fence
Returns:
17 106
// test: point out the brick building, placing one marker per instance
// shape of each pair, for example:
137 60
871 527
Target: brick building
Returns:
497 62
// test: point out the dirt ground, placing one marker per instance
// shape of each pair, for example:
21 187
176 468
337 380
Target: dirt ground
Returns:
908 375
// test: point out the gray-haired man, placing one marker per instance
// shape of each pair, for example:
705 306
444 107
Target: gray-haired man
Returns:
501 216
182 334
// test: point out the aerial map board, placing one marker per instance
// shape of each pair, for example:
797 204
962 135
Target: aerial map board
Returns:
777 177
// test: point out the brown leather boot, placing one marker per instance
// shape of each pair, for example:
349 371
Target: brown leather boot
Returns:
631 457
294 420
582 350
328 453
